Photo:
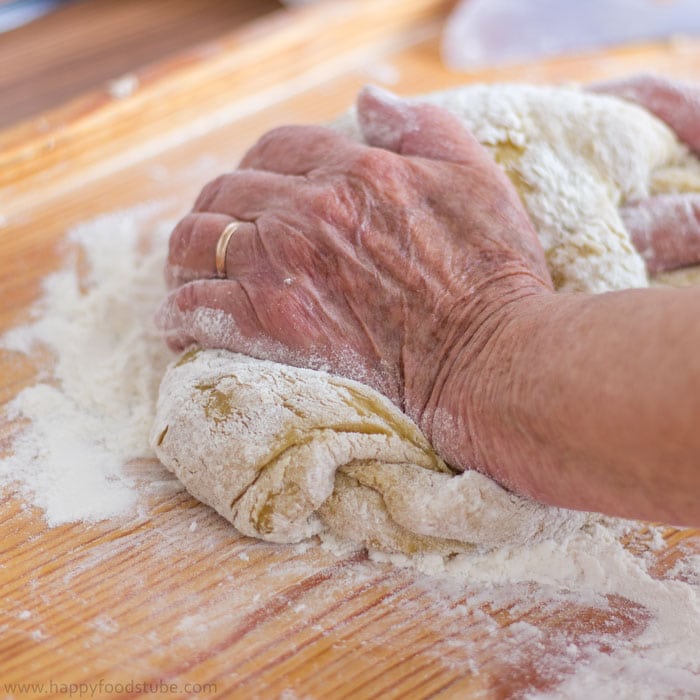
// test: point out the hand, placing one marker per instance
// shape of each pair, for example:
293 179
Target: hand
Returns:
384 263
665 229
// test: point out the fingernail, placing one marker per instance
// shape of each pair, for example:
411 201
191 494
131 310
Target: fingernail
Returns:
383 116
381 94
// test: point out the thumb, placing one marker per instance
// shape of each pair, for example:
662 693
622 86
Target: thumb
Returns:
413 128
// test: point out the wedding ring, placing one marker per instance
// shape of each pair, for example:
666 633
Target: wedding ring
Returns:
222 246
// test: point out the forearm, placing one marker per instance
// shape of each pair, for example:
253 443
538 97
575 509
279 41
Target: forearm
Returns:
593 402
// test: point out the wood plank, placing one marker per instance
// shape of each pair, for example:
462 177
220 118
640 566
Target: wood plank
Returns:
196 92
81 44
144 598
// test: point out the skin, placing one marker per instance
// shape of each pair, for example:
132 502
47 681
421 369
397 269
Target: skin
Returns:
584 401
666 228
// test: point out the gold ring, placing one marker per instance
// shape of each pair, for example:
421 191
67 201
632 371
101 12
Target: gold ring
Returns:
222 246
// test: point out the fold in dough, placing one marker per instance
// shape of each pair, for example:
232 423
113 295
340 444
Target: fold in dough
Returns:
286 453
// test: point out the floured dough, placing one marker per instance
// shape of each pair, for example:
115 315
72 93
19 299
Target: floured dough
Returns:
284 452
287 453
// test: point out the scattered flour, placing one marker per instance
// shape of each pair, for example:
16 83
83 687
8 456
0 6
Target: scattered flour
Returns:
663 660
94 415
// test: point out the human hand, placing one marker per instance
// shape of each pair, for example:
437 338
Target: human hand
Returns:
665 229
383 263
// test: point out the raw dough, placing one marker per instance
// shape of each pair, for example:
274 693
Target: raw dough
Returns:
286 453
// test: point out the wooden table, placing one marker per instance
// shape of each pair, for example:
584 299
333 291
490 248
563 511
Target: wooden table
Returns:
147 599
81 44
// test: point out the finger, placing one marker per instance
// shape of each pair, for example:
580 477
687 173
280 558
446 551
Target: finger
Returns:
192 250
414 129
674 102
297 150
665 230
269 322
211 313
278 246
276 324
245 194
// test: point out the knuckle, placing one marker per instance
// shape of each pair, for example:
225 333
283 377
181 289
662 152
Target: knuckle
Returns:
180 239
269 145
208 193
242 185
372 164
286 132
281 142
202 230
187 297
194 296
330 204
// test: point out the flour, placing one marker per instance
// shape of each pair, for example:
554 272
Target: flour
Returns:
661 661
94 415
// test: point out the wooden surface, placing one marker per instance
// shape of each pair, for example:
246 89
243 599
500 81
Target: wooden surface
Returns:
145 598
80 45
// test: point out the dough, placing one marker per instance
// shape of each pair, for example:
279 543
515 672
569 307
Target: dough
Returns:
286 453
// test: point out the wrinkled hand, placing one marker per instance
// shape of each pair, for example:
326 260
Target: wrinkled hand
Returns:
665 229
383 263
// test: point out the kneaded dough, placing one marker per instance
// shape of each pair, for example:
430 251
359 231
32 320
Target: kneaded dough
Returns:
286 453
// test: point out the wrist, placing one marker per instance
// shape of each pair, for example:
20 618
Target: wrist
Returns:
471 418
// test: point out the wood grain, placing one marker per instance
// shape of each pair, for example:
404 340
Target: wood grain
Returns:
82 44
196 92
144 598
